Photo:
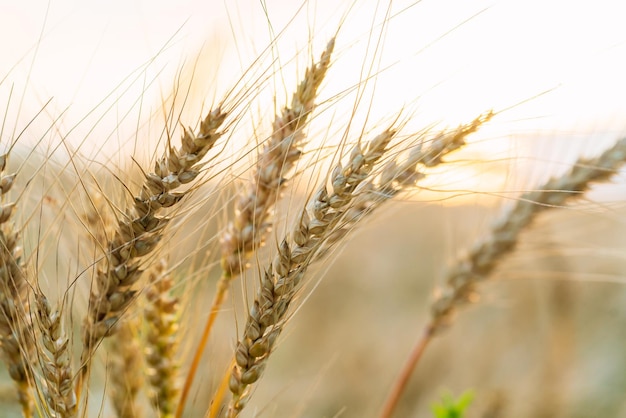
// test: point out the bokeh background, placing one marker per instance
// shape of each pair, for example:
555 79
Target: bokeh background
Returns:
546 339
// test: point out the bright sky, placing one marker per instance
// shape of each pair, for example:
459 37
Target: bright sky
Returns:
447 60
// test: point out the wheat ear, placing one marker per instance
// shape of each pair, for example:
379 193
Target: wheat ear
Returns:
15 326
487 254
282 278
161 316
56 367
126 373
404 172
140 230
246 232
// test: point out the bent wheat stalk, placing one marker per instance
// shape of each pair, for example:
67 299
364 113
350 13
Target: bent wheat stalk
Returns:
486 255
246 232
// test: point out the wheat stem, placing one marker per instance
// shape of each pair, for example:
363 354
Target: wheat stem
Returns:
479 264
218 397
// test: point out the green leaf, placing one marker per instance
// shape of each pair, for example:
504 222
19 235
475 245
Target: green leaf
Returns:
448 407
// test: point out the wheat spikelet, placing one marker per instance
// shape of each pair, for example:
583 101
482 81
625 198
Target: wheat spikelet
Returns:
280 154
401 174
15 326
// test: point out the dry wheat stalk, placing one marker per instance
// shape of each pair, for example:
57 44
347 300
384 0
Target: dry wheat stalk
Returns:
246 232
485 255
282 278
15 326
161 314
59 396
126 374
140 230
480 262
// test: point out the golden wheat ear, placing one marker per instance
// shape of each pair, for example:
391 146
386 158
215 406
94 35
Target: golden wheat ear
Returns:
16 331
485 255
161 315
403 173
359 186
139 231
126 370
296 252
58 391
246 231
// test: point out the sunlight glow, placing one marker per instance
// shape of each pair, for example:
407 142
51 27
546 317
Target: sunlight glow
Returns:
442 61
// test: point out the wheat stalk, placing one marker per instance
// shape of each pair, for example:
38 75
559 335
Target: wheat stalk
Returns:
246 231
480 262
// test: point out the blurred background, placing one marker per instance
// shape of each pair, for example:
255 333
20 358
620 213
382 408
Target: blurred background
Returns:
546 339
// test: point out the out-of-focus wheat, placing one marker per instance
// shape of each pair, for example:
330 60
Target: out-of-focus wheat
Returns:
57 374
482 259
16 329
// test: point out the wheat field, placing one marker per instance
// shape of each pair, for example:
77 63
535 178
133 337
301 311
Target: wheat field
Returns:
312 209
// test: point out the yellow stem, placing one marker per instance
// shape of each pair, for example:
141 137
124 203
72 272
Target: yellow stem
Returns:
220 296
217 400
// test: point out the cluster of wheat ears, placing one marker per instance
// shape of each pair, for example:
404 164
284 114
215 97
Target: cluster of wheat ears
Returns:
134 308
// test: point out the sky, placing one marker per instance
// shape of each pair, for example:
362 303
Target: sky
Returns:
555 67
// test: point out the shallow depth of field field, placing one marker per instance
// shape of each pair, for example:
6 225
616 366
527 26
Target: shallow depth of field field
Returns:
87 89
